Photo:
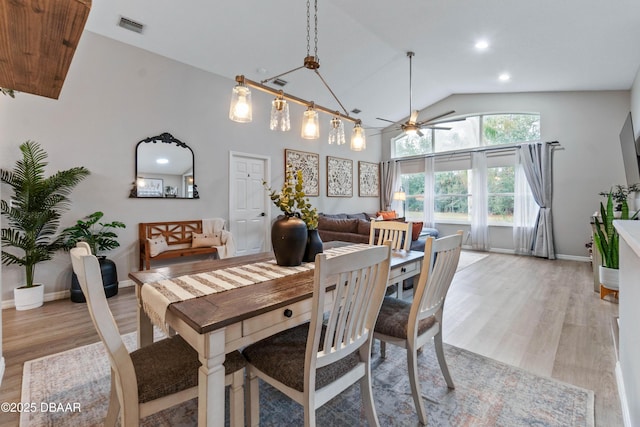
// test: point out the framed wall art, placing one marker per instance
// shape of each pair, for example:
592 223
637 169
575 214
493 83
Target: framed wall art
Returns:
339 177
368 179
309 164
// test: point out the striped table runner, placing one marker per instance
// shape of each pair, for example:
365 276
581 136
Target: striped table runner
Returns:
157 296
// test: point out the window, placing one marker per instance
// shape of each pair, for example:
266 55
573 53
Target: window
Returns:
470 132
413 185
501 194
452 195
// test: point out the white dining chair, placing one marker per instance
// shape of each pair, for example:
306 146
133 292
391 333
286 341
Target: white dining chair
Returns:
314 362
154 377
412 324
399 233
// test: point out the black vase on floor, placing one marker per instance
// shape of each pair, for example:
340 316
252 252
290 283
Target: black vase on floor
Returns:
289 240
109 281
314 246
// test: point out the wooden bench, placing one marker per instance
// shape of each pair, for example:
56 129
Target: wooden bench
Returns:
178 236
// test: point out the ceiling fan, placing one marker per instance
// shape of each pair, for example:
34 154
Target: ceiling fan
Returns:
413 126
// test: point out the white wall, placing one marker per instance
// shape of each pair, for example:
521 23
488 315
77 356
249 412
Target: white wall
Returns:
116 95
587 125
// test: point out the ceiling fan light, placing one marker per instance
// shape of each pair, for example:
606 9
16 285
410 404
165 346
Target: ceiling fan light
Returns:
240 109
358 138
336 134
280 119
310 124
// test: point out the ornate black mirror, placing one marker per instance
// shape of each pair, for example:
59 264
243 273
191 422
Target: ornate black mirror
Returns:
164 169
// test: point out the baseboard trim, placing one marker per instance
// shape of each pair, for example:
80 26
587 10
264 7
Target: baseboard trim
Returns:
573 258
626 416
52 296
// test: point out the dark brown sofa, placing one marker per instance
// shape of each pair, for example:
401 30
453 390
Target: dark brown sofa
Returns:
355 228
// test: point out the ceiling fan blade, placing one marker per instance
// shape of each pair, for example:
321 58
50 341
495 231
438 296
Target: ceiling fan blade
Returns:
419 133
436 127
414 116
385 120
438 117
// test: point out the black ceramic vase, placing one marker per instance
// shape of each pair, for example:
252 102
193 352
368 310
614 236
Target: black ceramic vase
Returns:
289 240
109 281
314 246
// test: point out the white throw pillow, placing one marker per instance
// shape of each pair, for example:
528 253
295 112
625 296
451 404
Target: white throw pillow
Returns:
157 246
205 240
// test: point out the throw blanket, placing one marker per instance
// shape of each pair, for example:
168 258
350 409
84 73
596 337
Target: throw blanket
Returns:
157 296
216 225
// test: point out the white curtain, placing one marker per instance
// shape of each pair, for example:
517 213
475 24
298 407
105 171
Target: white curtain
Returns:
389 180
429 192
525 210
479 202
537 165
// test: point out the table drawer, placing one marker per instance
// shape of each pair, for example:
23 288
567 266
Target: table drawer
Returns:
406 271
279 319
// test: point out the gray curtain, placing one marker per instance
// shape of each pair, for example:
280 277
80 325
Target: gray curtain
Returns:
388 172
537 165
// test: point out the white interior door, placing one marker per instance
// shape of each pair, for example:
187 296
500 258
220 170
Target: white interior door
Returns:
249 213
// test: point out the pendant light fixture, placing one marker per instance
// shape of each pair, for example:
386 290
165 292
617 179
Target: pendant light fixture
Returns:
240 110
310 124
358 138
336 134
280 114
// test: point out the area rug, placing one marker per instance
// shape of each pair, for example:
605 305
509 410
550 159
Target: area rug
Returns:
488 393
470 257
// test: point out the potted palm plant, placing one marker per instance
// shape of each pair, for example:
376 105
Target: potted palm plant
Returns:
100 237
33 217
607 240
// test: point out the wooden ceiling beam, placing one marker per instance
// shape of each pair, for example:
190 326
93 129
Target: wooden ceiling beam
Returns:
38 39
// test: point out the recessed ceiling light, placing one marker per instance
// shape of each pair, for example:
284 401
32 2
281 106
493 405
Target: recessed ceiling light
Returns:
482 44
162 161
504 77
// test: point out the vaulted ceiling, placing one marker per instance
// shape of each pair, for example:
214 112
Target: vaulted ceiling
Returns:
546 45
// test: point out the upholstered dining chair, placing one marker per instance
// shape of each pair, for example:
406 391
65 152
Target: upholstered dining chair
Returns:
314 362
154 377
398 232
412 324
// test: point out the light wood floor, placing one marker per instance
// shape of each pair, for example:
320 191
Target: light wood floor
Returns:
539 315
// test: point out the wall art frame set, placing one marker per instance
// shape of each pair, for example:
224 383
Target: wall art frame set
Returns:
339 181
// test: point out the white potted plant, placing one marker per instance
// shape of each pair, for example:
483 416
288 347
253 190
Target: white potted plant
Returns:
33 217
607 240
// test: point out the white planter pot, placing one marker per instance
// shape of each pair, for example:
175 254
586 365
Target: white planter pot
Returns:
28 298
610 277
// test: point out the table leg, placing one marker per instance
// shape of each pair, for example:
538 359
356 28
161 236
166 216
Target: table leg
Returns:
211 380
145 327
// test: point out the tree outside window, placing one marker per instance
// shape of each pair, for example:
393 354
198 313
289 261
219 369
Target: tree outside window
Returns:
452 195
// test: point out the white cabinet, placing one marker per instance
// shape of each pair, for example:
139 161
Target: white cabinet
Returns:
628 368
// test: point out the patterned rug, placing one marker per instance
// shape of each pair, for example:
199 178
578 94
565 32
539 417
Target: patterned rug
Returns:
488 393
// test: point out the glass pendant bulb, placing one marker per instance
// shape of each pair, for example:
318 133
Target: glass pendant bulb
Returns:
358 138
280 115
336 134
310 124
240 109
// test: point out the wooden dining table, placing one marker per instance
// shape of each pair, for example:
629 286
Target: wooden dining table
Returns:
219 323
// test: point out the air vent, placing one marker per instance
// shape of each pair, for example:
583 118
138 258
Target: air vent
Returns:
356 111
131 25
280 82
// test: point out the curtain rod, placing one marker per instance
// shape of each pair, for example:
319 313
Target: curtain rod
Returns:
453 153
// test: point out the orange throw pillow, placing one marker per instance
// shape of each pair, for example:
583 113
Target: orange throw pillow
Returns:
386 214
415 232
